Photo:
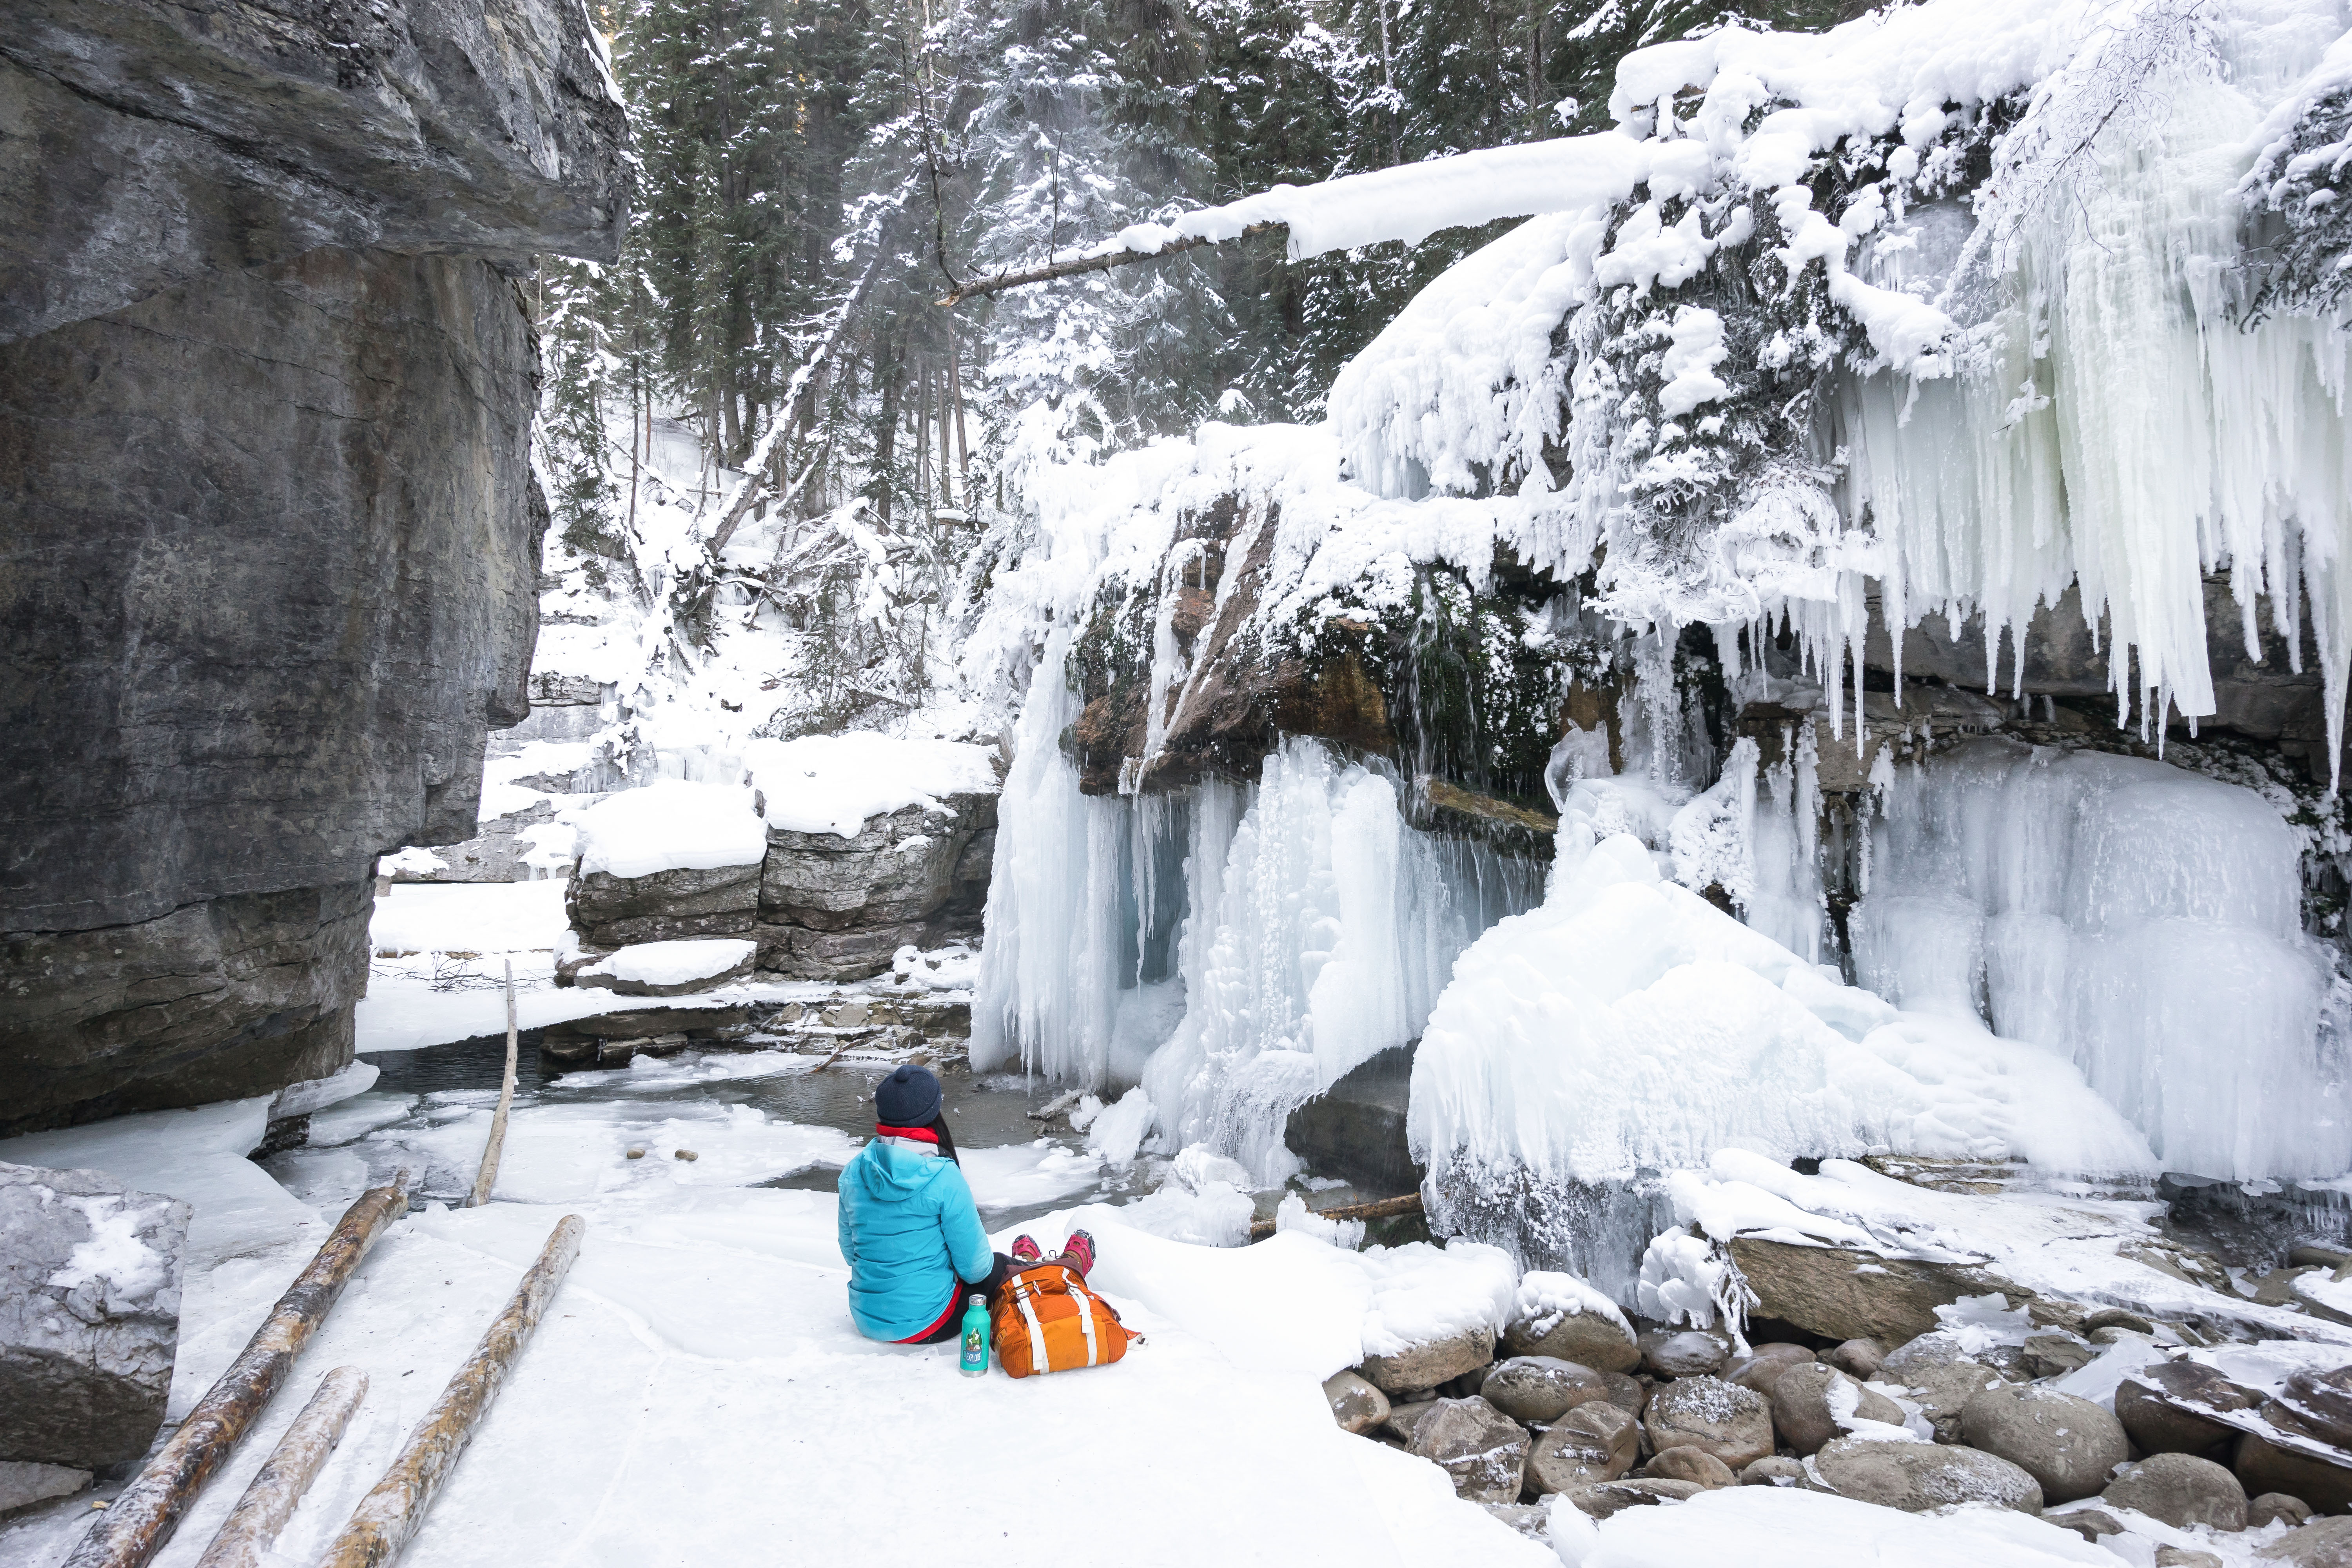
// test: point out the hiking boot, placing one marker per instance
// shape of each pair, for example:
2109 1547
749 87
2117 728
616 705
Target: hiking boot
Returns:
1078 1252
1025 1250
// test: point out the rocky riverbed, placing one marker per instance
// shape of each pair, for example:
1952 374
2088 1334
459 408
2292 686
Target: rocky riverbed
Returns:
2098 1420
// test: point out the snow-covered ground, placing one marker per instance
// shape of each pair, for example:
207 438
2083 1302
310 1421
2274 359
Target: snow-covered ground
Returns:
697 1394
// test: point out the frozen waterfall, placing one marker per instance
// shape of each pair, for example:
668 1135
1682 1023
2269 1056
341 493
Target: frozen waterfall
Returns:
2142 920
1234 947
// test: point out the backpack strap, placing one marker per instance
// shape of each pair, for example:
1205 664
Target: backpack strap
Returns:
1038 1361
1086 1300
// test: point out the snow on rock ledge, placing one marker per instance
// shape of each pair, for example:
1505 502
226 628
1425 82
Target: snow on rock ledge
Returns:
833 783
670 826
670 968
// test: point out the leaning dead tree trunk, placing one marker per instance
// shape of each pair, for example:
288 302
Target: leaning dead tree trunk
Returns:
1003 280
142 1519
388 1517
488 1175
270 1500
748 489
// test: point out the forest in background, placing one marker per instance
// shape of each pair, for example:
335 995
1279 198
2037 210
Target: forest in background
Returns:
817 173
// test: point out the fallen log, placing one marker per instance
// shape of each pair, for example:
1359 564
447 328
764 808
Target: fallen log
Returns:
488 1175
389 1516
270 1497
1384 1208
141 1519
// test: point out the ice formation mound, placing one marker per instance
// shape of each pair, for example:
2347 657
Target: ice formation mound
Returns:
2141 919
1628 1026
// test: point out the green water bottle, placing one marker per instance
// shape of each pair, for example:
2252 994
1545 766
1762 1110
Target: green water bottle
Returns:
975 1337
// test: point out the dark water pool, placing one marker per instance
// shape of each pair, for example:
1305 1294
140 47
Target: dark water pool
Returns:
983 1110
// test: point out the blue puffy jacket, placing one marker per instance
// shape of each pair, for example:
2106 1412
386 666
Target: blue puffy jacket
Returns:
909 1232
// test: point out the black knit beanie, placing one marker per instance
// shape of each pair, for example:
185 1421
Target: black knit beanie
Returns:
907 1098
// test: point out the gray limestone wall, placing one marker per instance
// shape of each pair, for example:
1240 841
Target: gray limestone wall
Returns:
268 531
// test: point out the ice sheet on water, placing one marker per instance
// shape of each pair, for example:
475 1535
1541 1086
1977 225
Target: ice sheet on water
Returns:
197 1155
556 1154
357 1117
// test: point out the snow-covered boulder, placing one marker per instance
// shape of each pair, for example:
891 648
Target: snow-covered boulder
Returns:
1853 1293
1484 1451
1732 1423
1429 1362
1559 1315
669 861
874 843
90 1315
1594 1442
1355 1405
1920 1477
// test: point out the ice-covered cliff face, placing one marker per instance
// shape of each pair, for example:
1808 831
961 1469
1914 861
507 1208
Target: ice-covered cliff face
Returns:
1964 348
1962 304
267 519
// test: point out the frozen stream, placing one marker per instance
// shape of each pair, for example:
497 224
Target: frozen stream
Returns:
763 1119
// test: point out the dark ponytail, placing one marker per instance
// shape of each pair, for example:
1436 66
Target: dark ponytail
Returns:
947 1139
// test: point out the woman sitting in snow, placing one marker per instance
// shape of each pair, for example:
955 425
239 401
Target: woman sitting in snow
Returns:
909 1231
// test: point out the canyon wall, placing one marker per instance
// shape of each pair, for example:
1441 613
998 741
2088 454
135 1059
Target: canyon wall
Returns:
268 528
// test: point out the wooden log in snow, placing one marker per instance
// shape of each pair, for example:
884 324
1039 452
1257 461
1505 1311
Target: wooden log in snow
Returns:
389 1516
271 1499
488 1175
142 1519
1386 1208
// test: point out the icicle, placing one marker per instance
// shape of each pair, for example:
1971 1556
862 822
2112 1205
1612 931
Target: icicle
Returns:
2139 917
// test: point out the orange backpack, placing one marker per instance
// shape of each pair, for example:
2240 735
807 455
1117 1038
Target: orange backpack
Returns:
1046 1320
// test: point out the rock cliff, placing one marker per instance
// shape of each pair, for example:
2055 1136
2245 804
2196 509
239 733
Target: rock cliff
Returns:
268 530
